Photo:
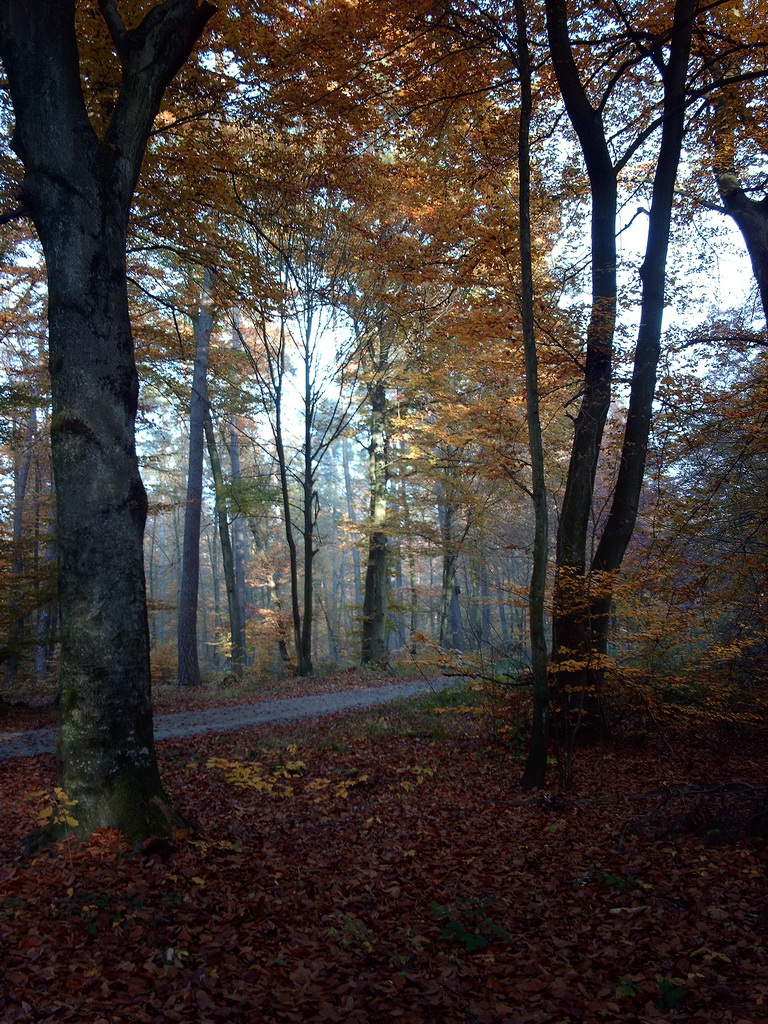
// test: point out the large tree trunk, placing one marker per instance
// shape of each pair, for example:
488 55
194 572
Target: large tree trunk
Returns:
78 189
571 639
374 646
189 665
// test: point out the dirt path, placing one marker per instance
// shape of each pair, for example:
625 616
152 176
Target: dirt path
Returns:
225 719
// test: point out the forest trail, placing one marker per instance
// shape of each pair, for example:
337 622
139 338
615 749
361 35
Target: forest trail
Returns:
226 719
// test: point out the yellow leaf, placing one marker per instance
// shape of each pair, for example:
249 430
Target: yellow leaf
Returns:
46 812
72 822
199 881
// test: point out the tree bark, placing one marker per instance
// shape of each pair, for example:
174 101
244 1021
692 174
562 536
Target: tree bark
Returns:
189 666
78 189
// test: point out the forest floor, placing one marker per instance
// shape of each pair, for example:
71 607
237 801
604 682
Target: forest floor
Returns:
384 865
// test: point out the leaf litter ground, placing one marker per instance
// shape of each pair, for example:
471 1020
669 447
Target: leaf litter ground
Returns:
384 866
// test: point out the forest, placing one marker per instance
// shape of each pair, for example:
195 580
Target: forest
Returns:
343 343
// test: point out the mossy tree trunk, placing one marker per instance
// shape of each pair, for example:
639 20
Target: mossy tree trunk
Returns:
78 189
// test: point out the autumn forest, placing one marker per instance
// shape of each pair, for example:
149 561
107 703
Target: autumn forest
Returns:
348 343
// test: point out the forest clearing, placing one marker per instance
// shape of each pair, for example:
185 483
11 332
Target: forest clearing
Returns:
384 865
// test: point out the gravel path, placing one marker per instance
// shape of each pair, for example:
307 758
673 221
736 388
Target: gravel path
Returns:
225 719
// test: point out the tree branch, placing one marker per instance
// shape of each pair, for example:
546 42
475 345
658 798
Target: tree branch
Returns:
117 30
15 214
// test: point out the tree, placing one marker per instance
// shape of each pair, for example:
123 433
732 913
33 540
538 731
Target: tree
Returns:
77 187
189 668
583 591
536 764
703 557
236 645
301 350
374 641
733 62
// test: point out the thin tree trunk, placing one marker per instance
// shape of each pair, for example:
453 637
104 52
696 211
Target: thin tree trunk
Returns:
47 611
21 476
352 517
502 599
304 666
486 621
239 536
333 647
189 666
412 574
275 597
458 641
374 646
162 582
236 646
534 774
398 618
290 537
